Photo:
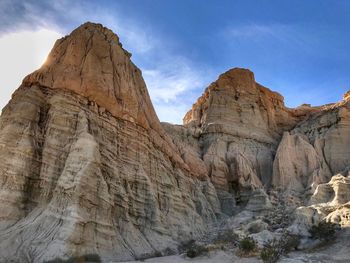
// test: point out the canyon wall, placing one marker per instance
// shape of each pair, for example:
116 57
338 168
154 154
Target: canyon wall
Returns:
86 166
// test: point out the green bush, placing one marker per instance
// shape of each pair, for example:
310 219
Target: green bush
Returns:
324 231
247 245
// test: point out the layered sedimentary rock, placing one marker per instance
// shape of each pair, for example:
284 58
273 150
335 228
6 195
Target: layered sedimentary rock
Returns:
86 166
240 124
315 149
248 138
298 166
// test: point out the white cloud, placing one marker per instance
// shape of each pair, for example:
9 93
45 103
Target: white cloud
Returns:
21 53
169 81
171 87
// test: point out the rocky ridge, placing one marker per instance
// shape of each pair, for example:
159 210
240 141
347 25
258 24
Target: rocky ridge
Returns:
88 168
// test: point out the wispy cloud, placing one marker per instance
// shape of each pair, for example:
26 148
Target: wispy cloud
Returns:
169 81
284 33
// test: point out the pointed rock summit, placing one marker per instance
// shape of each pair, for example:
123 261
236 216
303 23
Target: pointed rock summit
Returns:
86 167
91 62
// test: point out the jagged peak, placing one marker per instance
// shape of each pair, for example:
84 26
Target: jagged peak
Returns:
91 62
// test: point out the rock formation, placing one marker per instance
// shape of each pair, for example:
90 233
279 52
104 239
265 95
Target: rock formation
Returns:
330 202
240 124
86 166
316 149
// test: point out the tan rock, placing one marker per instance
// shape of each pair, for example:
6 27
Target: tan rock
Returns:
315 149
297 165
241 123
86 166
330 202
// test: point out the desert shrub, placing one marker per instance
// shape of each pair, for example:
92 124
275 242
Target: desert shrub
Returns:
247 245
192 249
324 231
271 251
184 246
283 213
274 249
196 251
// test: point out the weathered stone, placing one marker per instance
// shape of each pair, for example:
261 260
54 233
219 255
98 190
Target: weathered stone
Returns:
86 166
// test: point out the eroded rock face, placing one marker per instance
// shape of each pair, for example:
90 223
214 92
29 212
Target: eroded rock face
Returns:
241 124
86 166
330 202
317 148
297 165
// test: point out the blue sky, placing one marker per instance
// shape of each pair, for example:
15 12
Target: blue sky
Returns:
298 48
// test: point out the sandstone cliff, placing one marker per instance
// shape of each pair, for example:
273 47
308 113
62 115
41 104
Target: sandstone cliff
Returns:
317 148
240 124
86 166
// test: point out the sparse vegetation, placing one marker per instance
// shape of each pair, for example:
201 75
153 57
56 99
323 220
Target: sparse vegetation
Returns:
324 231
274 249
196 251
192 249
282 214
271 252
247 246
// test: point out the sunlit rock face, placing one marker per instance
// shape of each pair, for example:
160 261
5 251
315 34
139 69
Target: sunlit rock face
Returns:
86 166
330 202
241 124
248 139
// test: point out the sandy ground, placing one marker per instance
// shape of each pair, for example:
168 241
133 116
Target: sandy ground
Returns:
337 252
214 257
